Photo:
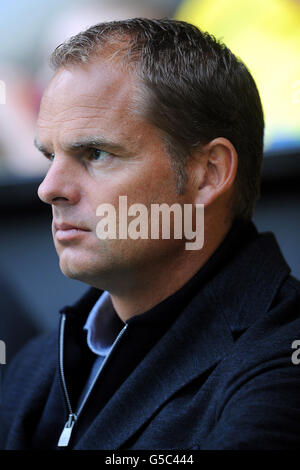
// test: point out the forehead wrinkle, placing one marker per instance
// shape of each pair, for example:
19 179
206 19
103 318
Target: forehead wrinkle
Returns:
67 114
77 118
73 104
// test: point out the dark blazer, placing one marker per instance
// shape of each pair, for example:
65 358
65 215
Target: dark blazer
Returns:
221 377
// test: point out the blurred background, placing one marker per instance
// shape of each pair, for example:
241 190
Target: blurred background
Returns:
266 35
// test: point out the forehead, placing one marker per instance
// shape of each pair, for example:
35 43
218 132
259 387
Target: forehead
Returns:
80 98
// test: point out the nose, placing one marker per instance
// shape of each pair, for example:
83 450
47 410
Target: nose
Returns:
60 185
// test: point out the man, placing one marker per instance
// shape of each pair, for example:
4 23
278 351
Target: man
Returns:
170 348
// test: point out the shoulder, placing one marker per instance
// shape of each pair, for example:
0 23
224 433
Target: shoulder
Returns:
258 396
34 362
268 339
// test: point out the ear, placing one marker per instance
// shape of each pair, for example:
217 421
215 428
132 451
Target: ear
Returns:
219 163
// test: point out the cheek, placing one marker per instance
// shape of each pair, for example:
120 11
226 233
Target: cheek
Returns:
146 185
155 186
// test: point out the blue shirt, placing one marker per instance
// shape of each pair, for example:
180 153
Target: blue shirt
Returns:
103 326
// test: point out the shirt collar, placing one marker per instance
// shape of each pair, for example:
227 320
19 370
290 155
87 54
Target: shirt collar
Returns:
102 325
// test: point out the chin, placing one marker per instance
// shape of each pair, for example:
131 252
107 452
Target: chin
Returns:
70 271
79 274
83 268
73 265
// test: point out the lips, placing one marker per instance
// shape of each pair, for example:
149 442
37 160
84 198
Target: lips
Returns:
66 226
66 231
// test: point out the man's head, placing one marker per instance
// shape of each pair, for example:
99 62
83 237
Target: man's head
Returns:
192 88
154 110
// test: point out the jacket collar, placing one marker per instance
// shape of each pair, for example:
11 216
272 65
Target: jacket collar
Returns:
245 289
195 343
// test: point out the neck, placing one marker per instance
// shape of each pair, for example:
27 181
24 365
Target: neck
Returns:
155 284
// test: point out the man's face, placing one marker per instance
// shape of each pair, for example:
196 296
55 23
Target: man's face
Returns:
83 104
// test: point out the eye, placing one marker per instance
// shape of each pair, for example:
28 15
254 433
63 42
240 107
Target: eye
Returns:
49 156
98 154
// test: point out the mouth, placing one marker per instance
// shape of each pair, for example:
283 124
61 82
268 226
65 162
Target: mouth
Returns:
66 232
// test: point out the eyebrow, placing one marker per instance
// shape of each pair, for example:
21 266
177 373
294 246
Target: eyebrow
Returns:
87 142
